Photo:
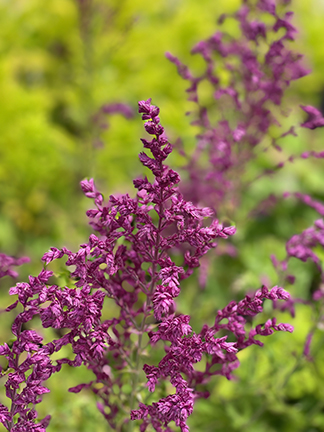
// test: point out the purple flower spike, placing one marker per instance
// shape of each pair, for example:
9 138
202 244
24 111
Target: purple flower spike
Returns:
128 263
257 81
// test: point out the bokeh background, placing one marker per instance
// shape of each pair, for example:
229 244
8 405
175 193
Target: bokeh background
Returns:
60 63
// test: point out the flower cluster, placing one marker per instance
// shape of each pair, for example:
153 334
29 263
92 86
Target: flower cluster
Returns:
242 119
188 348
131 270
28 358
303 247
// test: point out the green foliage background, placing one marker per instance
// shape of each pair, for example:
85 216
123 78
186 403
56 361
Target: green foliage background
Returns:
59 64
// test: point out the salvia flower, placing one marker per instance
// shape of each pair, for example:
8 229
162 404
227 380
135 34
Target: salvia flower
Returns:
127 270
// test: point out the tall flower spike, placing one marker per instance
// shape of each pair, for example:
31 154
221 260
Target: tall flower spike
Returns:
129 265
236 126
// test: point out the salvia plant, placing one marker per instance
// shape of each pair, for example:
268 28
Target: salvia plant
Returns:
117 312
129 263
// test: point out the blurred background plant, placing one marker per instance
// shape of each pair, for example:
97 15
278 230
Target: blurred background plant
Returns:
63 67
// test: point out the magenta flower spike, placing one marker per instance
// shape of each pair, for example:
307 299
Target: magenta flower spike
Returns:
237 122
128 267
